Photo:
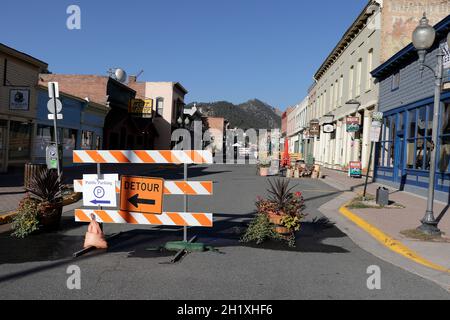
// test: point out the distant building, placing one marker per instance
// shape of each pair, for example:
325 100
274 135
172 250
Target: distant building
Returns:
122 130
18 105
297 124
168 102
81 127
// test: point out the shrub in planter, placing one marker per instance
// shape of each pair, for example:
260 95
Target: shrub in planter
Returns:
26 221
260 230
45 196
279 216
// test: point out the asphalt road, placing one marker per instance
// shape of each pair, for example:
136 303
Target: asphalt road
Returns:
325 265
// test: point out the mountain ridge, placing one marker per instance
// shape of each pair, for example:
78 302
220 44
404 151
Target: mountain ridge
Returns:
252 114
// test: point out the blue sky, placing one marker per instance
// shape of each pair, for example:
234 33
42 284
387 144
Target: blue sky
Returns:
232 50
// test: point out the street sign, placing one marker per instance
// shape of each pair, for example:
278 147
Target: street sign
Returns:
51 116
51 106
50 89
141 194
99 193
375 131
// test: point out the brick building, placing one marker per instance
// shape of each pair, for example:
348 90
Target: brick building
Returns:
122 131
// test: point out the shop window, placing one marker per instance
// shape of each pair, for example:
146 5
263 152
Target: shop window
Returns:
19 140
69 141
386 145
444 154
87 140
419 143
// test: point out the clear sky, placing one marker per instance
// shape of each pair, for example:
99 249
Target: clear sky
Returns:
232 50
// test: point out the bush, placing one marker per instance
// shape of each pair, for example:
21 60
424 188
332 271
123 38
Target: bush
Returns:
260 229
26 221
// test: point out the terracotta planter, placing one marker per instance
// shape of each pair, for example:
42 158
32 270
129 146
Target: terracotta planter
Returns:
263 172
281 230
50 217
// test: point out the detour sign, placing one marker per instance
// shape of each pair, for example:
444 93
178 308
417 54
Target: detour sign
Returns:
141 194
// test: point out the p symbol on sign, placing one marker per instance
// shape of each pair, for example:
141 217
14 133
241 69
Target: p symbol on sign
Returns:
99 192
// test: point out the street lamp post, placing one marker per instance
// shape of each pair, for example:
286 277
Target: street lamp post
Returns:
424 37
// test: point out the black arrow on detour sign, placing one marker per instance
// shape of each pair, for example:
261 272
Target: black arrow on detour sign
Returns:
135 201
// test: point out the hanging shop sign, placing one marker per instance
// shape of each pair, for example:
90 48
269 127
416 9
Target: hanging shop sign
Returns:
328 128
306 134
19 99
352 124
141 108
314 128
355 169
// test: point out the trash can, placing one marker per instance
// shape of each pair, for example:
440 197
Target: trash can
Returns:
382 197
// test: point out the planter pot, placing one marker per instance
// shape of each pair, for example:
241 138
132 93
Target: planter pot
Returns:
263 172
50 217
281 230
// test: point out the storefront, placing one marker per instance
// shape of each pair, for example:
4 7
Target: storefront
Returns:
81 127
18 105
406 99
403 155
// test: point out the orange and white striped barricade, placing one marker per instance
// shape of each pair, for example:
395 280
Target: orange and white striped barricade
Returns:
186 188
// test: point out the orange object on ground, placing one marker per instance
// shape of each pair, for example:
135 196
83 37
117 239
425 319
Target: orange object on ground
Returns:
94 236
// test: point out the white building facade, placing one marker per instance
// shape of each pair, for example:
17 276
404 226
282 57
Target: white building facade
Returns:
297 123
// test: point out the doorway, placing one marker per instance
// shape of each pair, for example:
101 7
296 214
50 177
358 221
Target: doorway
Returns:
3 153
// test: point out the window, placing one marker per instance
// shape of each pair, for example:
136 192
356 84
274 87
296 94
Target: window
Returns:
444 153
69 141
369 69
160 106
19 140
396 81
336 94
330 107
419 144
358 77
386 145
341 89
350 82
87 140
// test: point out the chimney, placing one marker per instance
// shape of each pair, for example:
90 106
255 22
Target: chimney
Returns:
132 79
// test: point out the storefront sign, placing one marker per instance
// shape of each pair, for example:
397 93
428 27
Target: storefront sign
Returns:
19 99
314 128
306 134
375 131
355 170
352 124
141 108
328 128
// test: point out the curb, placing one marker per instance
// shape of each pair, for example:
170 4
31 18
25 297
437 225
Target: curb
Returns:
389 242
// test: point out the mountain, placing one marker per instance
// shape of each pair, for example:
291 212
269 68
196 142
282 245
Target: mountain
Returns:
254 114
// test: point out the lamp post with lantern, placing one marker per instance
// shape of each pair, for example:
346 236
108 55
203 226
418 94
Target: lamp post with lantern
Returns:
424 37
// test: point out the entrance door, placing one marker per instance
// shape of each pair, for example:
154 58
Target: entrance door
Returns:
399 158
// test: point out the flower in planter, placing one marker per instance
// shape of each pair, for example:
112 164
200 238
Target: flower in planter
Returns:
279 216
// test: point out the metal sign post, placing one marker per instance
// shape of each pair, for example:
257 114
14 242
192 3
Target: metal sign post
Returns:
55 126
185 231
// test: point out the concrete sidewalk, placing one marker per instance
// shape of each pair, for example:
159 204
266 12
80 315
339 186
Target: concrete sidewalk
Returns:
393 221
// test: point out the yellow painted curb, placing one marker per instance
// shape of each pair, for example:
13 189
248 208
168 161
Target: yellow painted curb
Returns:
7 218
389 242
